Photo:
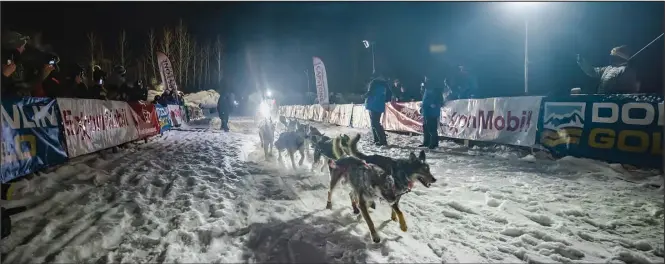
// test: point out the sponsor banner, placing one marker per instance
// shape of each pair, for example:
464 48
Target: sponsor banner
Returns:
93 125
166 72
334 115
403 117
615 128
30 136
360 117
506 120
177 115
345 114
163 117
321 78
145 117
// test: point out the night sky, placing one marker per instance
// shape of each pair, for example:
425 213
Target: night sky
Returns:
279 39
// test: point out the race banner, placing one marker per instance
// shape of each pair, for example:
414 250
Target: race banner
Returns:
164 118
321 81
176 114
616 128
403 117
93 125
166 72
145 117
506 120
30 136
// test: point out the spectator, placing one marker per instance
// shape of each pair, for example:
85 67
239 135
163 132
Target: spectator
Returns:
98 90
224 108
462 84
396 90
157 99
139 92
375 104
116 84
431 111
618 77
13 45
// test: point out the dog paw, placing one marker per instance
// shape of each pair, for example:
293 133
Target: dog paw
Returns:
329 205
372 205
403 227
356 211
394 218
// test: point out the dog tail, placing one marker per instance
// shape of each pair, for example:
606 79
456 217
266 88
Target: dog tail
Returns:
353 147
337 147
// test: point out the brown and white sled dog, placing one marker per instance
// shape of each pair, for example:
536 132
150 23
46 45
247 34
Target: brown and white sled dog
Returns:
376 176
267 136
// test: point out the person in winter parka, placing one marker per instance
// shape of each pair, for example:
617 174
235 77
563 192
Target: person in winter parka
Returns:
431 111
224 108
375 103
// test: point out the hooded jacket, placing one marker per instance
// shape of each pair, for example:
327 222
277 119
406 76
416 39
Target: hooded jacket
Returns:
432 95
376 95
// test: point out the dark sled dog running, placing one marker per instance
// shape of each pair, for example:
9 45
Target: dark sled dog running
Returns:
376 176
292 142
328 148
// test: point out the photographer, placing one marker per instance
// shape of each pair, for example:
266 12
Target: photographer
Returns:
98 91
76 83
13 45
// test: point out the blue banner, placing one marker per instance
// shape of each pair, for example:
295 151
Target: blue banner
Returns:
623 129
30 136
164 118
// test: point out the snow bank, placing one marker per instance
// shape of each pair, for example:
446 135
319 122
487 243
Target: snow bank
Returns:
204 99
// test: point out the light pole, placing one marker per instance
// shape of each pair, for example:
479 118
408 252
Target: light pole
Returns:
526 56
307 79
370 45
523 6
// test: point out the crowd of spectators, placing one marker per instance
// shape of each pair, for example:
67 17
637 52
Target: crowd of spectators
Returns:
30 71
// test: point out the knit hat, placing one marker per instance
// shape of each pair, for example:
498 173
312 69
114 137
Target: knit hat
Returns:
621 52
13 40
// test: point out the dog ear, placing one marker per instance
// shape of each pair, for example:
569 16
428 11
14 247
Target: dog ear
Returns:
422 157
412 157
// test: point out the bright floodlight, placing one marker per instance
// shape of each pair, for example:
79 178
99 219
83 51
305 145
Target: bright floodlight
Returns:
366 43
268 93
264 109
523 5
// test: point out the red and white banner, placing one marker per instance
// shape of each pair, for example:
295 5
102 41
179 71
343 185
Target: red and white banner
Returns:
507 120
177 115
145 117
403 117
340 114
166 72
93 125
321 81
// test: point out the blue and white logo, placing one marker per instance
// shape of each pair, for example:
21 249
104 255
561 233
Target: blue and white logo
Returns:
561 115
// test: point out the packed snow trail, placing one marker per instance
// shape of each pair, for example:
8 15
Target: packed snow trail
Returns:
198 195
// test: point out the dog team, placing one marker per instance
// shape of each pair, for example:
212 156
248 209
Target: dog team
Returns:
370 177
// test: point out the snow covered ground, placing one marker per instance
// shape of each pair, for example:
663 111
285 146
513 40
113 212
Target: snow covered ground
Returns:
203 196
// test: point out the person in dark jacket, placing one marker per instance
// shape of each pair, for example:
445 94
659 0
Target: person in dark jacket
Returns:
431 111
462 84
224 108
375 103
618 77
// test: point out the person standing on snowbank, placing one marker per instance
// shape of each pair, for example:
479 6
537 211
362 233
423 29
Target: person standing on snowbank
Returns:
224 108
431 111
375 103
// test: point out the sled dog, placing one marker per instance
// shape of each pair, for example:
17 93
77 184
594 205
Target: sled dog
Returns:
392 179
267 137
329 149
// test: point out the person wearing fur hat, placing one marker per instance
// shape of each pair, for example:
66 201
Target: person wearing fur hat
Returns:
618 77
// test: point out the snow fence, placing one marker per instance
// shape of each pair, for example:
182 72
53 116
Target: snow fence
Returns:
43 132
617 128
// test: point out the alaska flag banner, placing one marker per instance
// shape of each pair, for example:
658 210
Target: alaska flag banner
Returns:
615 128
30 136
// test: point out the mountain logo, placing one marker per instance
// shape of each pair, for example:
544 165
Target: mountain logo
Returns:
563 123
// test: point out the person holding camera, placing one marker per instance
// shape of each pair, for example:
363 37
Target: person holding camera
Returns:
618 77
13 45
98 91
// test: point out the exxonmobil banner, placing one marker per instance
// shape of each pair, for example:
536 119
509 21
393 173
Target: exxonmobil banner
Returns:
403 117
166 72
145 117
321 81
93 125
507 120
